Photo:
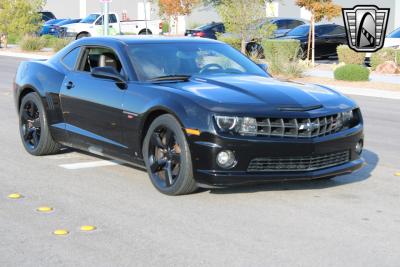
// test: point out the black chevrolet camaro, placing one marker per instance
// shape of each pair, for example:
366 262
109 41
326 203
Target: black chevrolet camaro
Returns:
193 112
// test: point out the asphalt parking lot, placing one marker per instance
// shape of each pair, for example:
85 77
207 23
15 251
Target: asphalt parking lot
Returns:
351 220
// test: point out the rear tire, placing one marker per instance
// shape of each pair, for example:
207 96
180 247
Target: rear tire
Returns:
34 130
167 157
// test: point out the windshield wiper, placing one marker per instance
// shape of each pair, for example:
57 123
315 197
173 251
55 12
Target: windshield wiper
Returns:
171 78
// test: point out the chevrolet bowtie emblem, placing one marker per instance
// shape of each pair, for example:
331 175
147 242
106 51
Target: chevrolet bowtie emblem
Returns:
366 27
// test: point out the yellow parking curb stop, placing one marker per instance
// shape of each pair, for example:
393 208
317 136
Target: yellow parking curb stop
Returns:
87 228
15 196
61 232
44 209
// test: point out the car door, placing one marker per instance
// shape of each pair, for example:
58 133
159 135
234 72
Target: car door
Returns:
92 107
322 47
113 25
329 37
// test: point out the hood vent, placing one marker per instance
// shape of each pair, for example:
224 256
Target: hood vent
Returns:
300 108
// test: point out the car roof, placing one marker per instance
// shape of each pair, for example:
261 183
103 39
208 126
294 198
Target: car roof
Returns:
145 39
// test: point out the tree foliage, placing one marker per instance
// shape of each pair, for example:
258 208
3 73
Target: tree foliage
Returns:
20 17
246 19
320 9
174 8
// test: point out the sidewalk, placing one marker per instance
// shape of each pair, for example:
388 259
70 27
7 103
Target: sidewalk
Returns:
373 77
10 51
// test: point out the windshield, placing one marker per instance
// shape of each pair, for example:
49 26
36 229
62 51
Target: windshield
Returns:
394 34
299 31
90 19
173 59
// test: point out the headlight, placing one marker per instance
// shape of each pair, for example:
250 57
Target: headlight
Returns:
347 118
226 123
241 125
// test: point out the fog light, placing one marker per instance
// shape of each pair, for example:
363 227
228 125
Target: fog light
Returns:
359 147
226 159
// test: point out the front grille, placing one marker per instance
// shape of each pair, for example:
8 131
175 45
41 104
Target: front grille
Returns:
299 128
304 163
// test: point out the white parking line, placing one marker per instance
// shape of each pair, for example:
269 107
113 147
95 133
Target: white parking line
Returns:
91 164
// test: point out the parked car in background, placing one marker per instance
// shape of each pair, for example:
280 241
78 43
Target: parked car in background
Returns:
327 38
207 31
92 25
47 15
56 29
392 40
48 25
282 26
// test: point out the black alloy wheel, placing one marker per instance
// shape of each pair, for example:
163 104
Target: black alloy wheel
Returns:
34 131
164 157
30 124
167 157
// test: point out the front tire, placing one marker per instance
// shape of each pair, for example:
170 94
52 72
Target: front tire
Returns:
33 128
167 157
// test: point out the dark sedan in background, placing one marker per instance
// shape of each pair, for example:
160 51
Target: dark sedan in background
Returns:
283 25
327 38
193 111
207 31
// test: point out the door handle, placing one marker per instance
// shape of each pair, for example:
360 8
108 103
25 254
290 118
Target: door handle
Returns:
69 85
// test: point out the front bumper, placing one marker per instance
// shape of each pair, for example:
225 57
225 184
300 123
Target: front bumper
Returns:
64 34
206 147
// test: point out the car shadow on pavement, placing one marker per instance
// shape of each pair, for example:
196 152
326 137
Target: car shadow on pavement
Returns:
364 173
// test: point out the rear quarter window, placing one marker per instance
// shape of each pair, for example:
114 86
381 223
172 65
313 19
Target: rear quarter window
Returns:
70 59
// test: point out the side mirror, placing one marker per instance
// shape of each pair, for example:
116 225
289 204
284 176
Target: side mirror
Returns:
264 67
108 73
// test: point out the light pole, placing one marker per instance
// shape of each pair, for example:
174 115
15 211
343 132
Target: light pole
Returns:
105 17
145 13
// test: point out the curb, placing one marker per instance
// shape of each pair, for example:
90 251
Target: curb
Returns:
23 55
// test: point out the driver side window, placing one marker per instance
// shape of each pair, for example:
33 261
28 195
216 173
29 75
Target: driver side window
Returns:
100 57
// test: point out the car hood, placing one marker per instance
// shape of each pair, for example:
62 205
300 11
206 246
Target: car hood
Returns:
261 93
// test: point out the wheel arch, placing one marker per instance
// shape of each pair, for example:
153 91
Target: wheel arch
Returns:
153 114
82 32
145 30
27 89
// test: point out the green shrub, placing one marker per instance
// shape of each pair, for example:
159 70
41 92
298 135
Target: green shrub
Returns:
32 43
165 26
349 56
48 40
13 38
283 58
59 44
398 57
352 72
281 49
230 40
381 56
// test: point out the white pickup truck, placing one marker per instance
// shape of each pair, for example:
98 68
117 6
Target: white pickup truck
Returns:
92 25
